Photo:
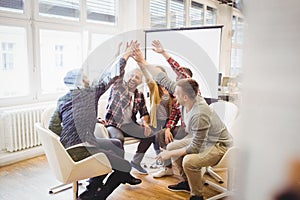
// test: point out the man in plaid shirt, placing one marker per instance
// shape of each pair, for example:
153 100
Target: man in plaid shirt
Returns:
166 135
124 103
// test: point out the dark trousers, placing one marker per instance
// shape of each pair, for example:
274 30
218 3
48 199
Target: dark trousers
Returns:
161 124
136 131
178 132
112 148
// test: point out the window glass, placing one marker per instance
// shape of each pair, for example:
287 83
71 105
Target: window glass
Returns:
236 61
211 16
12 5
196 14
98 39
177 13
104 10
14 71
240 31
237 42
60 51
60 8
158 13
233 37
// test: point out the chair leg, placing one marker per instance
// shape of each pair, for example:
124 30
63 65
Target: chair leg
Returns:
61 187
75 190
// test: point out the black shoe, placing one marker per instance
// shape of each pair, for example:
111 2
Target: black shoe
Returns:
131 180
196 198
90 191
88 194
182 186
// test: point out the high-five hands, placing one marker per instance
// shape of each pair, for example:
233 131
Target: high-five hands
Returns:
158 48
130 48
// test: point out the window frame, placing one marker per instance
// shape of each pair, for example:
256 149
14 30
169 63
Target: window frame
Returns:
33 23
235 45
187 6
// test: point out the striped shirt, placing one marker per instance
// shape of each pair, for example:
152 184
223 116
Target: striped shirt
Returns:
77 112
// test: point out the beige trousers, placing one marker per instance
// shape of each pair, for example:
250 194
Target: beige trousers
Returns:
190 165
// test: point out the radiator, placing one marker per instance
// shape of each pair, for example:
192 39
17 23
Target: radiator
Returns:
17 126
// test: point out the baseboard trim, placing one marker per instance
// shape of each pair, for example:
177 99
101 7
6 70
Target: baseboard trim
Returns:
7 158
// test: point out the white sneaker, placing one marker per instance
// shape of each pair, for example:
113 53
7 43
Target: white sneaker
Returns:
164 172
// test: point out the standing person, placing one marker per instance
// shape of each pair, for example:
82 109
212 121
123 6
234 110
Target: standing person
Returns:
74 121
124 103
208 138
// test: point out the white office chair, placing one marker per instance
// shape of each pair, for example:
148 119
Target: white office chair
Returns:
227 162
65 169
228 113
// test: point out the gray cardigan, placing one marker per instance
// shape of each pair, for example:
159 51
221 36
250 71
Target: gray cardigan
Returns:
205 125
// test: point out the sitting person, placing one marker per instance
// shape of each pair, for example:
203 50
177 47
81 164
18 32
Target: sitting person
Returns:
171 130
124 103
208 138
74 121
160 106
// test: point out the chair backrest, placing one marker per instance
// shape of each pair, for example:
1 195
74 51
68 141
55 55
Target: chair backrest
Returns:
46 116
61 163
58 158
227 111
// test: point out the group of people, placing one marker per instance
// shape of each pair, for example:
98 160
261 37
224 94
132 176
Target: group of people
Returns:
201 139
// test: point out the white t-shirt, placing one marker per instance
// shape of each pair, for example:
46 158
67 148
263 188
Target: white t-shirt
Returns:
128 110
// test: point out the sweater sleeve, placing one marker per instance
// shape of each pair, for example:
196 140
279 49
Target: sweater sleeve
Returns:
200 124
55 123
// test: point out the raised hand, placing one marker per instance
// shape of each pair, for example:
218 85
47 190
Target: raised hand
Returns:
158 48
129 48
138 56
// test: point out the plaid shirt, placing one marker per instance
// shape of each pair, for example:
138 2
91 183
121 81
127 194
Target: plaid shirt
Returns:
175 112
119 100
179 70
175 115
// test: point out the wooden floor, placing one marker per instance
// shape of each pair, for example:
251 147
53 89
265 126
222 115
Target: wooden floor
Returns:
31 179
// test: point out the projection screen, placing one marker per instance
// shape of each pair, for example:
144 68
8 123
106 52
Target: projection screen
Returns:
197 48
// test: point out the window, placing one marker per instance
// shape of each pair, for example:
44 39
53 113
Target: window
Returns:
68 9
104 10
211 16
40 40
237 42
182 13
236 61
7 55
196 14
158 13
14 71
177 13
12 5
98 39
59 55
60 51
